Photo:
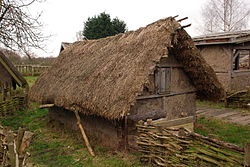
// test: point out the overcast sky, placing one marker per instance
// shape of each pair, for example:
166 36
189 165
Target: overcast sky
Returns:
62 19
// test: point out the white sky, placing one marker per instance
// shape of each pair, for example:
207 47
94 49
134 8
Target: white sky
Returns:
62 19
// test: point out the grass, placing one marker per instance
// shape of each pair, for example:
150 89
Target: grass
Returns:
218 105
31 79
210 104
228 132
52 147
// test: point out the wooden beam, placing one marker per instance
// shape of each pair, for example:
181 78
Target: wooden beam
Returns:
174 122
46 106
170 66
85 138
242 47
249 59
163 95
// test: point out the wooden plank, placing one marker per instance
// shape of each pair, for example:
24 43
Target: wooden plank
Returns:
168 79
162 80
174 122
249 58
25 142
163 95
157 80
19 138
170 66
247 155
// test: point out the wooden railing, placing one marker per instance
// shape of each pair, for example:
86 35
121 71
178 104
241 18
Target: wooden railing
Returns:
32 70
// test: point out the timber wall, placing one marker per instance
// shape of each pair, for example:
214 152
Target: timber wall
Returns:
99 130
220 59
178 102
240 80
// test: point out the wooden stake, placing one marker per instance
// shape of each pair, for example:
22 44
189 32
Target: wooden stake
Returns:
46 106
247 155
84 134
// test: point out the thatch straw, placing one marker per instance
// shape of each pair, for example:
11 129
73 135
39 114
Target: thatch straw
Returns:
103 77
201 74
14 71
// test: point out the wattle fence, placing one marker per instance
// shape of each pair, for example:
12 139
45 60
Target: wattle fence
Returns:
179 147
15 100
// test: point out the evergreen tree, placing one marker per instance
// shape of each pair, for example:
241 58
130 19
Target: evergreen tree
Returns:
102 26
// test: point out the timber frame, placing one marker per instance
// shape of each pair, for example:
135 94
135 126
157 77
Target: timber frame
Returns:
229 55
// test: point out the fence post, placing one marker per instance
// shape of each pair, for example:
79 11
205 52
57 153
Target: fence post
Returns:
247 155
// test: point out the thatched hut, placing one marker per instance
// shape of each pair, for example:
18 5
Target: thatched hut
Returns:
10 79
151 73
228 53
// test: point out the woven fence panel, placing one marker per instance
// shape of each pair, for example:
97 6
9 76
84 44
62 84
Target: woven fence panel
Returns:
239 99
178 147
9 106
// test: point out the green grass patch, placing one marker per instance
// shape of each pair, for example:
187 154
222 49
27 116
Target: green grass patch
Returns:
228 132
53 147
31 79
210 104
218 105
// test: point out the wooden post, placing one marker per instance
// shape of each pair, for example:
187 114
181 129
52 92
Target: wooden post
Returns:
249 59
247 155
125 133
84 134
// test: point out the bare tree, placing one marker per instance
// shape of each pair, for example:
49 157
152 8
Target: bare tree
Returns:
225 15
19 30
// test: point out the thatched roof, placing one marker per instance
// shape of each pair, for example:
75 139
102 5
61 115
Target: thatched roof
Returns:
104 77
11 69
64 45
235 37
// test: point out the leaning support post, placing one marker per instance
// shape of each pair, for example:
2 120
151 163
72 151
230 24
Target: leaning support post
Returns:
84 134
247 155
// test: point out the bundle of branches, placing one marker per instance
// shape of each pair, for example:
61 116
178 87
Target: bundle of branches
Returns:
239 99
178 147
13 147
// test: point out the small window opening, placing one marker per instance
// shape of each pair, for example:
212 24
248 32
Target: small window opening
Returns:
242 60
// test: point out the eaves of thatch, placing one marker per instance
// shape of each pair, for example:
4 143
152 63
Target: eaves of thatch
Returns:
11 69
104 77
